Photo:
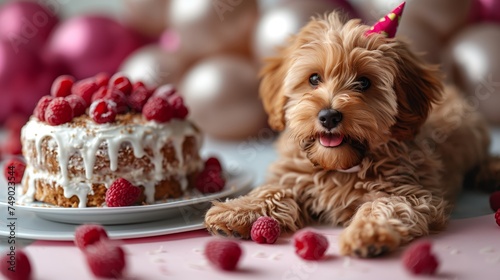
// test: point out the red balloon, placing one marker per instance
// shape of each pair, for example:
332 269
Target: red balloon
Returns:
87 45
26 24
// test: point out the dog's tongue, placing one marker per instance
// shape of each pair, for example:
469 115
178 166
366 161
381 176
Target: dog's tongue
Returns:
330 139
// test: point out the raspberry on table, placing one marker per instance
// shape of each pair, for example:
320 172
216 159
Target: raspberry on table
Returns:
103 111
497 217
89 234
23 266
106 259
265 230
78 105
85 89
224 254
121 83
61 87
157 109
310 245
14 170
495 200
58 112
418 259
41 107
122 193
138 98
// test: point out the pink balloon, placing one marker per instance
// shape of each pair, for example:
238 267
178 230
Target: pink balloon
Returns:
487 10
87 45
24 78
26 24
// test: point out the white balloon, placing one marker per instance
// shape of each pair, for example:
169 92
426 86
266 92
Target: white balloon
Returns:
221 93
278 23
153 66
209 27
147 16
475 61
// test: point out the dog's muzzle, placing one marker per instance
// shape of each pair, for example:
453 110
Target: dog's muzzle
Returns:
329 118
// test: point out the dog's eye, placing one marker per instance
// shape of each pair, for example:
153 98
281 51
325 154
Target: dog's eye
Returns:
363 84
314 80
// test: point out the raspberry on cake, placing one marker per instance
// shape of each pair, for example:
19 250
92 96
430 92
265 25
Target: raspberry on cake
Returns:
61 87
73 158
85 89
122 193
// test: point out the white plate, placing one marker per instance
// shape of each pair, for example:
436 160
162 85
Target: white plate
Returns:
30 226
44 223
237 182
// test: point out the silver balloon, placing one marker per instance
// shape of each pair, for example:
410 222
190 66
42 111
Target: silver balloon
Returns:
373 10
264 5
154 66
279 22
430 24
222 95
422 38
475 65
208 27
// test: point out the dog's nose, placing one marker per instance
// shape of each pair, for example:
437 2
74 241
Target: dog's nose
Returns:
329 118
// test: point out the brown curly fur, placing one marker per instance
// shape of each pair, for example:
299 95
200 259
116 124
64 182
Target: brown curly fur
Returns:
413 138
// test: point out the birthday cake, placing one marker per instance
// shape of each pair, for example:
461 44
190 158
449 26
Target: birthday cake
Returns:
89 134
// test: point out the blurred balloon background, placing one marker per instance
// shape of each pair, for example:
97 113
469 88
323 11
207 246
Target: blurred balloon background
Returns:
461 35
212 49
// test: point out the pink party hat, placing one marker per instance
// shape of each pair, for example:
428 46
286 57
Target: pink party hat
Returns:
388 25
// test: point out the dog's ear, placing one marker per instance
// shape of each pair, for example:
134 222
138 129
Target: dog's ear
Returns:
271 91
417 85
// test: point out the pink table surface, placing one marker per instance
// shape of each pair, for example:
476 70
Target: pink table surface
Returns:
468 249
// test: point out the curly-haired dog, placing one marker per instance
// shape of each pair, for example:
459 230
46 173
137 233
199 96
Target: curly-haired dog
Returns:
371 140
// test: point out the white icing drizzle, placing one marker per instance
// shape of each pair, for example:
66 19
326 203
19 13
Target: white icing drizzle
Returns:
184 182
90 138
149 191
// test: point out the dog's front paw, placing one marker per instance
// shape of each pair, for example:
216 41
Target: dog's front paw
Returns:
368 238
227 219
